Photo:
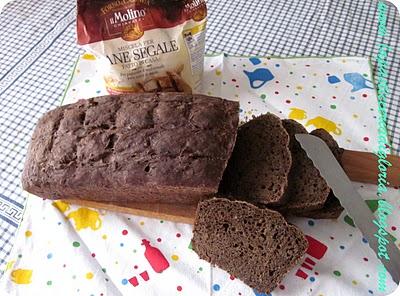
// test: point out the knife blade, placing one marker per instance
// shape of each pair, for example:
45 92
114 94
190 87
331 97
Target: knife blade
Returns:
350 199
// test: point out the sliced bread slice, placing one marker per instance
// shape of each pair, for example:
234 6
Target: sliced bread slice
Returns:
255 245
307 189
259 166
332 208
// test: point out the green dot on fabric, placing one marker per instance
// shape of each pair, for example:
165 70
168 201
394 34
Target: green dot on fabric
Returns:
20 256
104 270
201 268
76 244
263 96
337 273
87 80
134 251
333 106
161 221
49 283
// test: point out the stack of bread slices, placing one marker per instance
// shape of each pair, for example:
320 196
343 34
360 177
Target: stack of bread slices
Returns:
268 177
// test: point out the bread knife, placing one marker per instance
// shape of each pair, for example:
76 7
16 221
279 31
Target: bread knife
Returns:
350 199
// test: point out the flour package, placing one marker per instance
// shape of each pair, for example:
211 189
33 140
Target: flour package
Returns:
145 45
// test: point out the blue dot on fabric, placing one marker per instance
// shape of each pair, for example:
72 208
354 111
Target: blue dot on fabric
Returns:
124 281
311 222
370 292
216 287
277 65
49 256
312 279
333 79
341 247
121 244
261 294
255 61
353 97
364 240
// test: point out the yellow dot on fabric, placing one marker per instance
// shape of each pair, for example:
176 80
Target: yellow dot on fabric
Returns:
355 115
209 93
104 236
236 96
175 257
315 74
28 233
299 87
141 223
89 275
218 72
343 61
348 140
10 265
354 282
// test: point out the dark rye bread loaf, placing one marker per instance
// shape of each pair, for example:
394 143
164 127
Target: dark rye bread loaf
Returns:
332 207
260 162
162 147
255 245
307 190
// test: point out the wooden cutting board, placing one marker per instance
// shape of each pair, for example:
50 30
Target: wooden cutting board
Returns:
359 166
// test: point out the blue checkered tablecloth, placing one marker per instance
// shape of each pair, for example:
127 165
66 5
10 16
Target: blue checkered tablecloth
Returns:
38 52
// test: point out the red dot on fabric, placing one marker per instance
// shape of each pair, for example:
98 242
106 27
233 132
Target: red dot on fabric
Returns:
332 237
394 228
365 95
237 86
93 255
178 235
233 80
64 265
277 81
365 259
232 277
212 66
282 287
124 232
179 288
313 97
159 240
366 139
135 267
316 273
277 92
333 97
307 65
288 101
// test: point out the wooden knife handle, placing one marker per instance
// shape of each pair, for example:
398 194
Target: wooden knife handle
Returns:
363 167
